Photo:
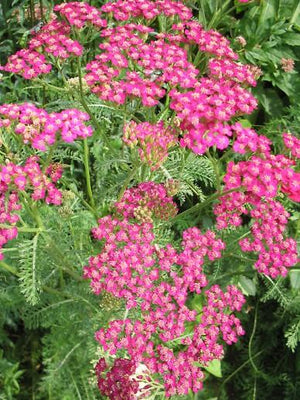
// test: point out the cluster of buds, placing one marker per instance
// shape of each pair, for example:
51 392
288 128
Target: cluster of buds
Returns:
152 140
287 64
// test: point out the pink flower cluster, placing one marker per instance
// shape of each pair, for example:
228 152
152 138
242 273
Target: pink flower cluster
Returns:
204 111
212 100
30 176
156 63
226 68
118 383
247 140
40 128
9 203
157 282
131 65
261 178
15 178
123 10
275 253
137 62
211 42
27 63
292 143
147 201
152 140
53 38
79 14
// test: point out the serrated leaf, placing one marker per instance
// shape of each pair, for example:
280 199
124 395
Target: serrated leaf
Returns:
291 38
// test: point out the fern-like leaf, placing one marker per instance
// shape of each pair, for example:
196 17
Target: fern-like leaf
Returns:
28 270
293 335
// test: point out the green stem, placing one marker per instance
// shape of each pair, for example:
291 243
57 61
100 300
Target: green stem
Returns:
86 107
42 10
251 340
85 203
49 156
55 88
47 289
22 229
127 181
238 257
9 268
32 14
216 170
87 172
238 239
237 370
226 155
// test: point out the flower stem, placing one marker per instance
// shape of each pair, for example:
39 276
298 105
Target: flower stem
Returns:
87 172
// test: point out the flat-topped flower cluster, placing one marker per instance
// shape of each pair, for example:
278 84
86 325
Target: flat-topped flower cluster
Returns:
136 62
260 180
158 281
40 128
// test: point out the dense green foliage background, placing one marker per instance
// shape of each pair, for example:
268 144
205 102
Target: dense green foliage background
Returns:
48 318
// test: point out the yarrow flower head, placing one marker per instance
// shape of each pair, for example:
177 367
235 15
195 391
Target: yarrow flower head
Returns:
15 179
261 178
54 39
122 10
147 201
117 383
157 281
79 14
28 63
40 128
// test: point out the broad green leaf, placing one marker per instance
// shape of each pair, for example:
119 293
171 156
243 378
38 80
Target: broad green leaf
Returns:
270 100
247 285
245 123
295 279
291 38
258 54
214 368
